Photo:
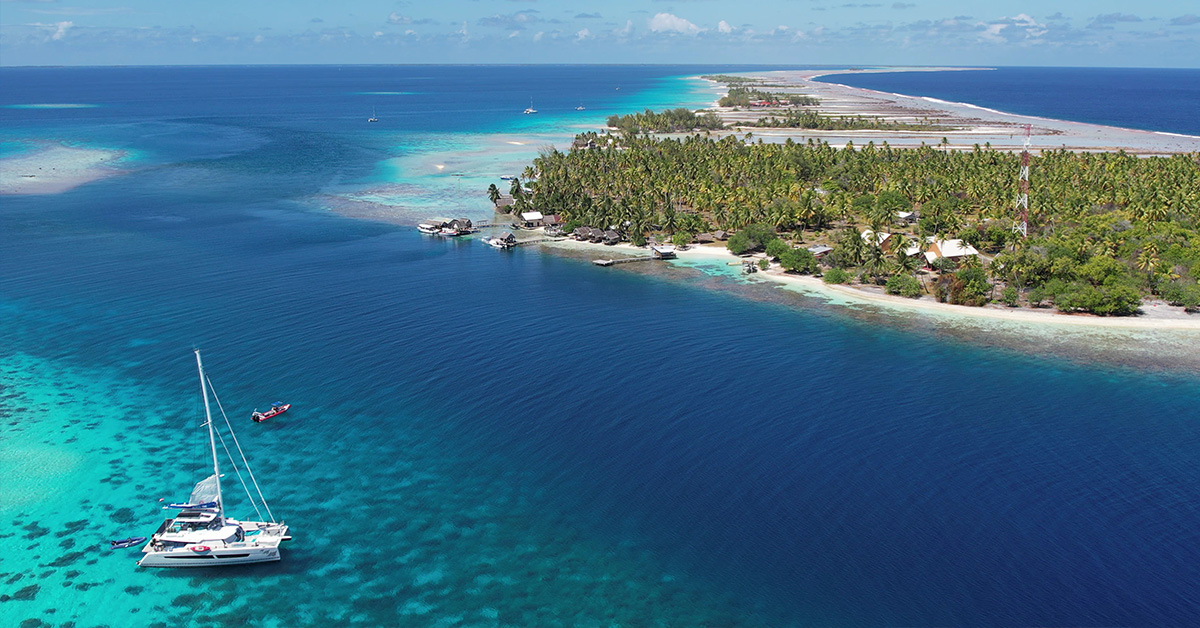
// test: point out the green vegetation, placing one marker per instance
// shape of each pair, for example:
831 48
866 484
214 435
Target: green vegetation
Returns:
813 120
729 79
669 121
752 238
1106 229
904 285
747 96
836 275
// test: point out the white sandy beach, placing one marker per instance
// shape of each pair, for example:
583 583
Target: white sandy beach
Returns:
56 168
1154 315
971 124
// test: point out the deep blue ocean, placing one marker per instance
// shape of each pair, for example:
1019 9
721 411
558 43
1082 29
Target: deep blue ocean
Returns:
520 438
1152 99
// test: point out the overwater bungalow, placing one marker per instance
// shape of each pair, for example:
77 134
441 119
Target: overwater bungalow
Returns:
662 251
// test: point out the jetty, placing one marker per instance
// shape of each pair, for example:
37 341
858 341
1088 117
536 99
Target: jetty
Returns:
623 260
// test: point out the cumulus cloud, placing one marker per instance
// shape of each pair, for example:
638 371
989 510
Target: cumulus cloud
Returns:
582 34
625 30
1186 20
1013 28
512 21
60 30
396 18
668 23
724 27
1108 19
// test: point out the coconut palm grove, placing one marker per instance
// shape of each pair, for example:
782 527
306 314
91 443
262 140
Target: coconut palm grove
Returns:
1105 229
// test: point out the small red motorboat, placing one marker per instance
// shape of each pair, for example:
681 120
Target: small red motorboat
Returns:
277 409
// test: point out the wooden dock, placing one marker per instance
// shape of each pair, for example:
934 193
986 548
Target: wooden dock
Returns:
623 260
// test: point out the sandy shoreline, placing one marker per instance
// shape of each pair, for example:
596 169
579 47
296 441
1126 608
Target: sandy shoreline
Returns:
970 124
1154 316
56 168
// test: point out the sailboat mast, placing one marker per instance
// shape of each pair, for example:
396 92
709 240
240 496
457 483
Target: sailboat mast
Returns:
212 441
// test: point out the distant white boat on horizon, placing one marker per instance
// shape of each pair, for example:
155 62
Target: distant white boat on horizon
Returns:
530 109
372 118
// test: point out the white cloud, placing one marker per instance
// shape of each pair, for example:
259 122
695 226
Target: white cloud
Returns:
667 23
396 18
258 39
582 34
626 30
724 27
1023 27
61 30
538 36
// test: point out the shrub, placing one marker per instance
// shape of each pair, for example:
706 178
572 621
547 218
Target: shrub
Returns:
1010 296
798 261
836 275
904 285
752 238
777 248
1037 296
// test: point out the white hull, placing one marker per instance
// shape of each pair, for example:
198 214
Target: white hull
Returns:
166 550
212 558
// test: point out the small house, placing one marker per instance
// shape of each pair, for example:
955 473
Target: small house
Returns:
705 238
505 200
662 251
582 233
596 235
819 250
721 235
879 239
611 237
953 249
532 220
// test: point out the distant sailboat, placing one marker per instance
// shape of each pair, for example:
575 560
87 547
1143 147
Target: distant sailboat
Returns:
530 109
580 107
372 118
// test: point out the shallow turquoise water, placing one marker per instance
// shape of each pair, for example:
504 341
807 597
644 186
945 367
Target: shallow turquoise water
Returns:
517 438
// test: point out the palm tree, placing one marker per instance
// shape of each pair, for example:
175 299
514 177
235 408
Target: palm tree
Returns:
494 194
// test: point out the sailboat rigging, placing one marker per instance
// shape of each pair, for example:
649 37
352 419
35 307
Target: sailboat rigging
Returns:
201 535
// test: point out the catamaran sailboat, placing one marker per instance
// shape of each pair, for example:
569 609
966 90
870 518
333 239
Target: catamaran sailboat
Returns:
201 535
530 109
372 118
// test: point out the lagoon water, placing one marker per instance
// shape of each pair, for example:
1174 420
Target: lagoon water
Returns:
517 438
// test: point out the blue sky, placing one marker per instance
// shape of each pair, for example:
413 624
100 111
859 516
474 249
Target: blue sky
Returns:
1155 33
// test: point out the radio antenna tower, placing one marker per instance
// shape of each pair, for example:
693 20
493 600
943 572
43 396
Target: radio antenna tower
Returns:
1021 225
